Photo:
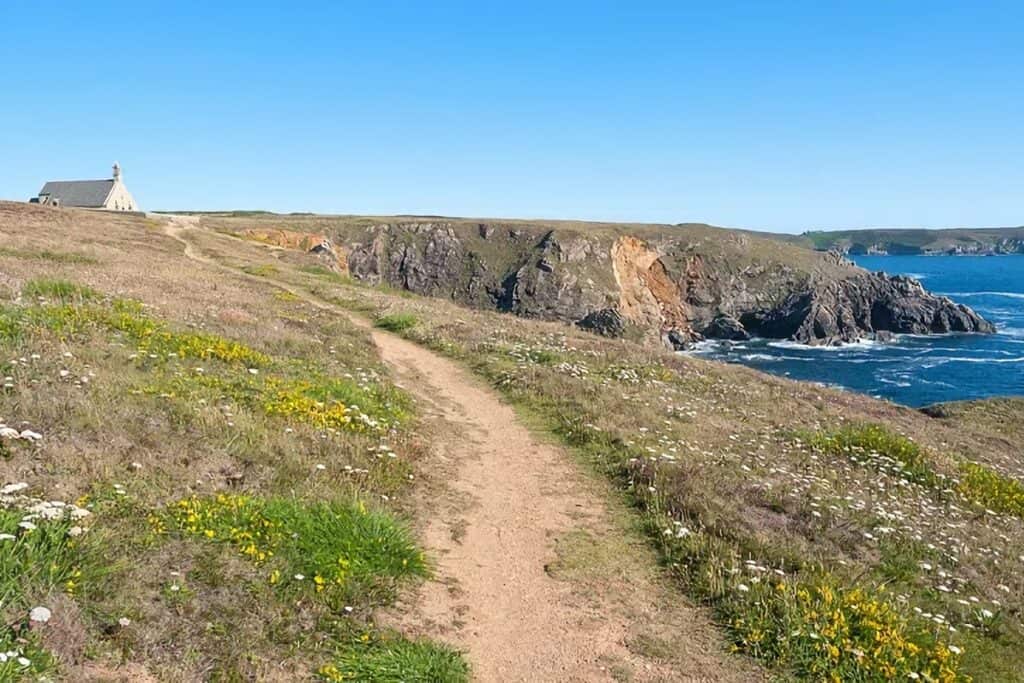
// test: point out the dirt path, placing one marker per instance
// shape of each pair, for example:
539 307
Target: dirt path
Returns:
536 579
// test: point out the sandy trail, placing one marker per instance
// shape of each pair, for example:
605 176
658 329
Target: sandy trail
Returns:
516 622
494 533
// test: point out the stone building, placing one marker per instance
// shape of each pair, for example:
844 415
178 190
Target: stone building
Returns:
110 194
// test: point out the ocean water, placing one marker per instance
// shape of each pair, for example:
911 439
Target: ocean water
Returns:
917 370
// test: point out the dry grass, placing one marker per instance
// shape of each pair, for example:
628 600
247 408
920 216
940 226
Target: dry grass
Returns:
735 475
767 498
212 386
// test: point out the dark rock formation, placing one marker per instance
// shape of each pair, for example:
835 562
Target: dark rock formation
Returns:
606 321
850 309
676 286
725 327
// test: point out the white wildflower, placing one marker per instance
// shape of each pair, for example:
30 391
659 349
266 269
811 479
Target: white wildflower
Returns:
40 614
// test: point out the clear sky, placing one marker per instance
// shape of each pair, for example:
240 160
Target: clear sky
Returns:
770 115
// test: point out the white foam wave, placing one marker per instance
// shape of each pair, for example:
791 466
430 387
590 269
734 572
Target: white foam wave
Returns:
1009 295
862 344
762 356
935 362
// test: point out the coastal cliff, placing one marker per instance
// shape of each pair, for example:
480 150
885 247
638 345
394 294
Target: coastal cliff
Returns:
683 285
906 242
679 284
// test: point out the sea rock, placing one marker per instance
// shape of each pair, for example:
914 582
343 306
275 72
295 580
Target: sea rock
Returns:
725 327
867 303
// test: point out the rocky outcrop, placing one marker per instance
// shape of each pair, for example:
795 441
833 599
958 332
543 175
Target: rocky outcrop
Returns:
315 243
725 327
521 271
863 305
648 296
677 285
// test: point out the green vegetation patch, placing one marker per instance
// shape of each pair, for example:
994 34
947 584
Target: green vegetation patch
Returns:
61 290
44 549
325 273
825 632
337 550
875 446
80 311
882 449
394 659
991 489
262 270
66 257
396 322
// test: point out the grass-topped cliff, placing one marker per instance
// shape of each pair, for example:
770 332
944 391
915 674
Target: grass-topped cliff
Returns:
918 241
225 437
678 283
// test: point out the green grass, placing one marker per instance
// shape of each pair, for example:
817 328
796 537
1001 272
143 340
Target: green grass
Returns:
396 322
392 660
880 448
47 255
262 270
325 273
334 550
61 290
44 557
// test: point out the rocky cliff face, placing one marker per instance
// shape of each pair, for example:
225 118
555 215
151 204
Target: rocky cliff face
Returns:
676 283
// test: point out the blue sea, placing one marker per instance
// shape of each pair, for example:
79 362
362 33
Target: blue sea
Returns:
917 370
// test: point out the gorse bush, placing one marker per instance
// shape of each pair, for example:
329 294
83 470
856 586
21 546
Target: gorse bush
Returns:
76 314
991 489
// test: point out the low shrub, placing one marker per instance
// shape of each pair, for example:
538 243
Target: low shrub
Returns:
396 322
991 489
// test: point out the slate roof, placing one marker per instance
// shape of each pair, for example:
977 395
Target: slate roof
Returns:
81 193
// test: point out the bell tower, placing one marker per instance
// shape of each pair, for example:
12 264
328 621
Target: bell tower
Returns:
117 172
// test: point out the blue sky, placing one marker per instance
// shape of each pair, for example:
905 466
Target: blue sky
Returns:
779 116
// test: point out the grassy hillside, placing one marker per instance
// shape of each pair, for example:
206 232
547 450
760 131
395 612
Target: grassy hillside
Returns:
835 536
192 493
975 240
833 533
